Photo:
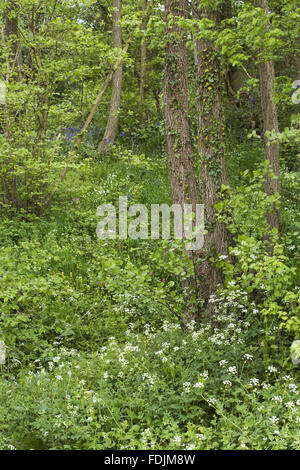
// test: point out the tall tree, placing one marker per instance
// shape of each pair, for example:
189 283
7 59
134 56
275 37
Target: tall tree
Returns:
11 36
177 125
211 128
270 122
113 118
143 60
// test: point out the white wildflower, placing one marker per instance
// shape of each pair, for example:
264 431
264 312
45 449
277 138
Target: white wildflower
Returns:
293 388
223 362
227 382
248 357
212 401
254 382
273 419
277 399
199 385
232 370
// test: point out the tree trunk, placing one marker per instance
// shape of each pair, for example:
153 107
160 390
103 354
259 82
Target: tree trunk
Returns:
11 33
113 118
143 62
182 172
10 36
211 128
270 120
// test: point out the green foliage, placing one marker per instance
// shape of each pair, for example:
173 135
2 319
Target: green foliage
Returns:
157 390
65 294
92 354
268 278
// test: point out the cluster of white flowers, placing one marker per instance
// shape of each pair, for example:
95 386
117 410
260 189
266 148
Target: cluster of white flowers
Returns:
293 388
248 357
130 347
145 436
191 325
190 447
149 378
227 382
199 385
218 339
223 362
196 334
204 374
232 370
167 326
274 419
291 406
123 361
212 401
187 387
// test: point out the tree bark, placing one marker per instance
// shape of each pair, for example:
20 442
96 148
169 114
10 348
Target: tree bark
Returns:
10 36
143 62
11 33
270 121
113 118
211 129
182 171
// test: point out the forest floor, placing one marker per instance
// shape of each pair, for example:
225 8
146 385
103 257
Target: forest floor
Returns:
96 357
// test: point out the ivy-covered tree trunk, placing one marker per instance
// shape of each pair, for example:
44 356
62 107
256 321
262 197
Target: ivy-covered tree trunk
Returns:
270 121
113 118
177 125
143 61
211 139
11 33
11 72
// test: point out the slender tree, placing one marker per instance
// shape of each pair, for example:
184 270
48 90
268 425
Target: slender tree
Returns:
113 118
270 122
